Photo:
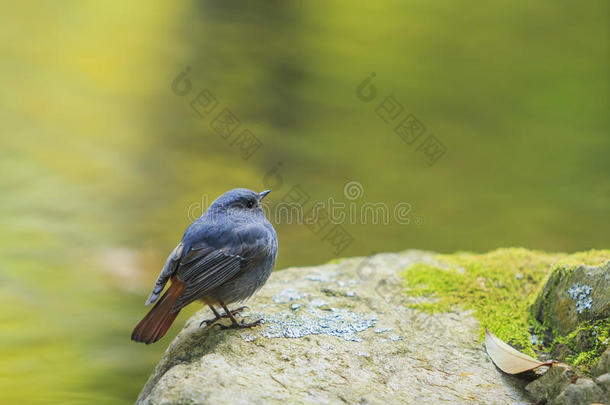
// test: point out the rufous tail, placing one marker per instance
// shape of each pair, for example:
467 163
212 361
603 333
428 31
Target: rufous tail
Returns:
158 320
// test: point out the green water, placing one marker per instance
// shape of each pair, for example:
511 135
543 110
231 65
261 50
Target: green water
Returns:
103 164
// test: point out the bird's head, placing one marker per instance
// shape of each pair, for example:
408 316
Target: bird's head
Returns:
240 202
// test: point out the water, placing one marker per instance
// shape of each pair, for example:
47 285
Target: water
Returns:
104 165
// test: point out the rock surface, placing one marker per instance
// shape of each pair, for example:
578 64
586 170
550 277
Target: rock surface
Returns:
574 295
336 333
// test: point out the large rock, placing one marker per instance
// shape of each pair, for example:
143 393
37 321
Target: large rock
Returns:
573 295
337 333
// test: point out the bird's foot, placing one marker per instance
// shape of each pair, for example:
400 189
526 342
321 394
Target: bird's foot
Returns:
209 322
242 325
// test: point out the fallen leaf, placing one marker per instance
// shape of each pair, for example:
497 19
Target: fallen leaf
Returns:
507 358
465 374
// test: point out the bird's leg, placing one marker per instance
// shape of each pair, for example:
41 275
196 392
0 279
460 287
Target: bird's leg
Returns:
217 316
208 322
234 323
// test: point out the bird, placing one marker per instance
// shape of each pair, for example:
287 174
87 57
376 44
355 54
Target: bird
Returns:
224 257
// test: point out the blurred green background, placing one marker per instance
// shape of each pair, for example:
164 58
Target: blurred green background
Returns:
102 162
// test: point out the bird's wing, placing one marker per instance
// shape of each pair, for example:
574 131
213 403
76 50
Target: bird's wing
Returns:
171 264
203 267
203 270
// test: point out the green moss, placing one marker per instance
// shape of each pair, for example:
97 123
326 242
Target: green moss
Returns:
586 343
499 287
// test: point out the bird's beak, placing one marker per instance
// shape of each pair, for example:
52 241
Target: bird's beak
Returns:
263 194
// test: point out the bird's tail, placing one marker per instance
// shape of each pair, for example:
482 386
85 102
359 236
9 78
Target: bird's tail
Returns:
158 320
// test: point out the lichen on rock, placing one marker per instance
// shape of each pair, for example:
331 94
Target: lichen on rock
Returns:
574 294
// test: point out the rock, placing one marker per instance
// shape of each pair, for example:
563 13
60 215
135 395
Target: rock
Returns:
552 383
604 382
603 364
336 333
561 385
573 295
584 391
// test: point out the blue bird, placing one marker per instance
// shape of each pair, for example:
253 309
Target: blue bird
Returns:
224 257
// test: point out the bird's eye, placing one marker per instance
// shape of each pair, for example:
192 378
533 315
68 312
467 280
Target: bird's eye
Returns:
250 204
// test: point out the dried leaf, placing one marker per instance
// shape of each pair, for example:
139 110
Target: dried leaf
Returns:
507 358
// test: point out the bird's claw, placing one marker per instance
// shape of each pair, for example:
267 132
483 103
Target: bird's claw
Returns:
208 322
236 310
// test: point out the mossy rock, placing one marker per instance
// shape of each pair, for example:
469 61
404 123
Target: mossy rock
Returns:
573 295
573 312
544 304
